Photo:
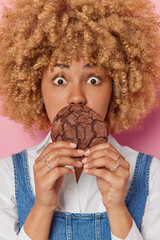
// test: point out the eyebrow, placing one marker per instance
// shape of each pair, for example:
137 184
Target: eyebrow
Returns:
66 66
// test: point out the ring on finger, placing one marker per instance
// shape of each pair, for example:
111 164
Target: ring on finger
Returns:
48 165
117 157
115 169
45 158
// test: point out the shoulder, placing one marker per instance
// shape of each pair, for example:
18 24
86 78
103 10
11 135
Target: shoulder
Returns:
7 175
6 168
155 176
36 150
7 186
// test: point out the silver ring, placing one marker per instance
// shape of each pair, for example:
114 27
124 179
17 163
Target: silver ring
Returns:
117 157
45 158
48 165
115 169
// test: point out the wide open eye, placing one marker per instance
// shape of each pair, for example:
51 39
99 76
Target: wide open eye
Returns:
59 81
94 80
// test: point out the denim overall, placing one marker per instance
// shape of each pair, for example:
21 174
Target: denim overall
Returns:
82 226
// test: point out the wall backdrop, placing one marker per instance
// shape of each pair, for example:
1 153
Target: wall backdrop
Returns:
146 138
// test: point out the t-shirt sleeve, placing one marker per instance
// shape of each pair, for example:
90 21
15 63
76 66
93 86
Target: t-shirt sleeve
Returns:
151 219
132 235
150 229
22 235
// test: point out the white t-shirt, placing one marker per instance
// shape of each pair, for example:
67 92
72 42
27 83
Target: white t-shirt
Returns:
81 197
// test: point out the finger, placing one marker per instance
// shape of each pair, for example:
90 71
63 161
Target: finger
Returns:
58 172
103 162
56 145
48 180
56 155
70 152
105 174
108 154
108 164
60 161
74 153
100 147
102 153
114 181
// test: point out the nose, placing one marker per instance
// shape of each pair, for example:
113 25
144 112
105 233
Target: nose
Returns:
77 96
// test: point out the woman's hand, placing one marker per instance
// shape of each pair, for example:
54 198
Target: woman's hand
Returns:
101 161
50 169
112 172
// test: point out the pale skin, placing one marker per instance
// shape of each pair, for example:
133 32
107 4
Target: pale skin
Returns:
78 84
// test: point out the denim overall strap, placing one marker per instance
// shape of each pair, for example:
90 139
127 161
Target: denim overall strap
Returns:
23 191
139 190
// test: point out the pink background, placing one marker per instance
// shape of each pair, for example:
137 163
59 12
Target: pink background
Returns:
147 139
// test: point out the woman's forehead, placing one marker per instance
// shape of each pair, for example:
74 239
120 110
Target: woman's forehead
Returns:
62 66
80 65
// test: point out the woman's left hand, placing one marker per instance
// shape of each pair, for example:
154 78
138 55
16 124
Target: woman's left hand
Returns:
112 172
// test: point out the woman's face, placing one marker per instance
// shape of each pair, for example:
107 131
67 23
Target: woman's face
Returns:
78 84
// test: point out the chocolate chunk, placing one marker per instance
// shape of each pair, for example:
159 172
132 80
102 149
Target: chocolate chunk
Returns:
81 125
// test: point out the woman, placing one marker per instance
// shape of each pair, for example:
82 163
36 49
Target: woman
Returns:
93 53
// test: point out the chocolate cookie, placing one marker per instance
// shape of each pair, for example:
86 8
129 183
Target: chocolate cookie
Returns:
81 125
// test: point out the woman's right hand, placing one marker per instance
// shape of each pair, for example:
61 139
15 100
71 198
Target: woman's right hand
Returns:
48 181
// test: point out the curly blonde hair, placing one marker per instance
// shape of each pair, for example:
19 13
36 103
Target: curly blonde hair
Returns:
121 36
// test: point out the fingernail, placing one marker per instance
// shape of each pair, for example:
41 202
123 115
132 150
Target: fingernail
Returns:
86 170
80 151
84 160
73 145
86 165
87 152
79 162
